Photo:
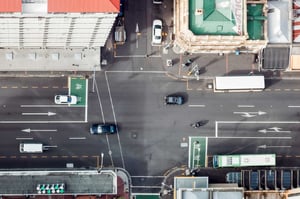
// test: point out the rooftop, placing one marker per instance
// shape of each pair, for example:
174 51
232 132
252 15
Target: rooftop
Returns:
215 17
75 182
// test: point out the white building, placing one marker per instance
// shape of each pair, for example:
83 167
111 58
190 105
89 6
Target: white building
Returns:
60 34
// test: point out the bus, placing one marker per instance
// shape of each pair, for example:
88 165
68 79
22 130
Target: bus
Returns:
245 160
239 83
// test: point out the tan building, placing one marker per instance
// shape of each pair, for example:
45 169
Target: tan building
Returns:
220 26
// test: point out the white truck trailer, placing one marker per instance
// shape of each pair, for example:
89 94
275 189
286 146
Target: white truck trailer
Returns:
31 148
239 83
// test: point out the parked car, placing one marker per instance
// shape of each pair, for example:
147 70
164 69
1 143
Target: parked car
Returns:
157 32
174 99
103 129
157 1
122 5
65 99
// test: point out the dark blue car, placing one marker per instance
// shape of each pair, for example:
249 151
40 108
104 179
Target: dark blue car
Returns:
174 99
103 129
122 8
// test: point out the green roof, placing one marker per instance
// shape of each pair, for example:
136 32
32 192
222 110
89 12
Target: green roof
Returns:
255 21
211 17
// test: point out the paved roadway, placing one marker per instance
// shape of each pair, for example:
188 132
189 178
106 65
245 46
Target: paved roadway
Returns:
131 93
150 133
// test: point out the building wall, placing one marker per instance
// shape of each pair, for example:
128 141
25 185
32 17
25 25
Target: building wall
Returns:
187 41
70 30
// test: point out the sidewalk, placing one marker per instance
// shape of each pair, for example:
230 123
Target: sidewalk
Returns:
208 66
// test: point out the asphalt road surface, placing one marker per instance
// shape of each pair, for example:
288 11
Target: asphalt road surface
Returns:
150 133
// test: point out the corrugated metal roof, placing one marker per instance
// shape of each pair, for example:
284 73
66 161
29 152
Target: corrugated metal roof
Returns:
10 5
83 6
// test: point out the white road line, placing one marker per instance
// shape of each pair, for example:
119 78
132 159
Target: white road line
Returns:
136 71
38 122
38 130
216 129
196 105
115 119
258 122
235 137
135 56
291 106
77 138
246 106
24 138
46 114
148 176
35 105
86 100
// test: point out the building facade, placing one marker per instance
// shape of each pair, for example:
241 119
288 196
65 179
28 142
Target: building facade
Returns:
220 26
65 27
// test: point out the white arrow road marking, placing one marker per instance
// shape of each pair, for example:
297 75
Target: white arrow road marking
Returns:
250 114
273 130
244 114
266 146
41 130
48 114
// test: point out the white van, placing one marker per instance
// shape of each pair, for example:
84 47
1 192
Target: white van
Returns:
31 148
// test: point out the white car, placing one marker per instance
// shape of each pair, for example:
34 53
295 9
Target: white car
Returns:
157 32
65 99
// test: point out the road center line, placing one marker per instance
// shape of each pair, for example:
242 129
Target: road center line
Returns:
291 106
196 105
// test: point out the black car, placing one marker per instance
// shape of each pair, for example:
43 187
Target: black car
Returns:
103 129
174 99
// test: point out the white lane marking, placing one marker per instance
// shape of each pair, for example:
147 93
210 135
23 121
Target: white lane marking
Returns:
196 105
246 106
148 176
35 105
115 119
292 106
268 146
40 130
259 122
38 122
77 138
236 137
47 114
24 138
86 101
135 71
136 56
